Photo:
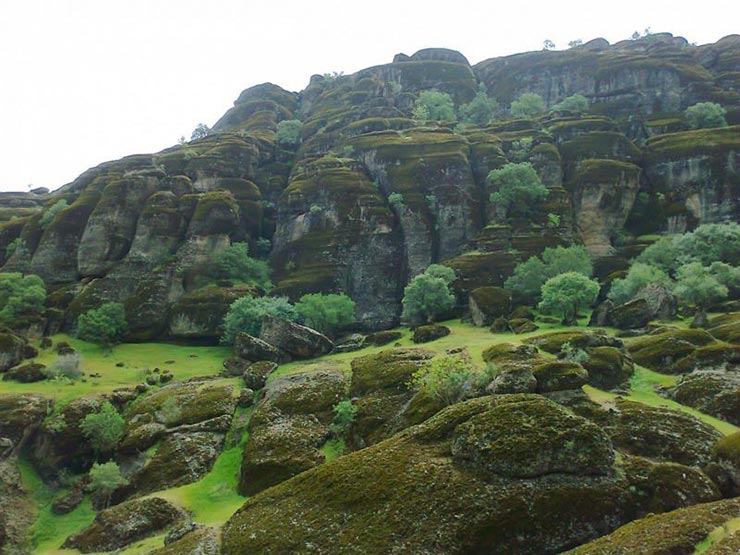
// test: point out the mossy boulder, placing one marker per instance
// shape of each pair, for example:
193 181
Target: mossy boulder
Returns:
676 532
661 352
27 373
630 315
380 338
559 375
124 524
200 541
726 453
714 355
608 367
22 413
715 392
662 434
488 303
725 327
255 375
547 440
580 339
11 350
410 494
254 349
431 332
296 340
522 325
288 427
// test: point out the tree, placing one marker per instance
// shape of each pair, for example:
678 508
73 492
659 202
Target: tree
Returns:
51 212
480 110
434 105
697 287
344 415
104 429
575 42
105 479
289 132
201 131
564 295
547 44
20 296
326 313
574 103
451 379
663 254
710 243
235 263
427 296
527 105
517 185
703 115
638 276
246 314
105 326
529 277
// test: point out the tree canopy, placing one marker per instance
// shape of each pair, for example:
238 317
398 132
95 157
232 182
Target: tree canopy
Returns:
434 105
246 314
105 325
328 314
517 187
428 295
565 294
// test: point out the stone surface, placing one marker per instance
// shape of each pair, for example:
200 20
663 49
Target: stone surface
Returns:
425 334
255 349
296 340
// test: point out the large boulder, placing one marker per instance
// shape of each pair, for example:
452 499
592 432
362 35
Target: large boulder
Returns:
200 541
608 367
580 339
27 373
296 340
661 352
726 454
21 415
119 526
559 376
431 332
633 314
12 349
255 349
488 303
715 392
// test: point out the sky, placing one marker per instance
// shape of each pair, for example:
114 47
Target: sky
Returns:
86 81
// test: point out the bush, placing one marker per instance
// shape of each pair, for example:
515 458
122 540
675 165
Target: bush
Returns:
564 295
662 254
517 185
530 276
326 313
396 200
434 105
575 103
66 366
696 286
705 115
201 131
51 213
245 315
104 429
527 105
480 110
638 276
428 295
344 415
451 379
235 263
105 326
105 479
20 296
289 132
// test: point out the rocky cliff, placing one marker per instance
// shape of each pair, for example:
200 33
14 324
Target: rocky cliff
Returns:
371 196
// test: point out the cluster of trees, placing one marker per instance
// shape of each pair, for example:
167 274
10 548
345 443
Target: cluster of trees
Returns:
700 267
327 313
20 297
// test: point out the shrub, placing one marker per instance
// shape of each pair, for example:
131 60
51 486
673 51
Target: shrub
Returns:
105 326
104 429
638 276
12 247
328 314
428 295
451 379
529 277
344 415
696 286
66 366
575 103
517 185
396 200
289 132
235 263
565 294
434 105
705 115
201 131
662 254
480 110
105 479
51 213
246 314
20 296
527 105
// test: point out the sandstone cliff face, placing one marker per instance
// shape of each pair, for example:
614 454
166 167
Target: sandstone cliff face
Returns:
370 197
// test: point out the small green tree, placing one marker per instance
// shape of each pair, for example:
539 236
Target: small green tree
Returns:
704 115
638 276
434 105
105 326
246 314
344 415
235 263
289 132
20 296
697 287
104 429
105 479
201 131
517 186
51 212
328 314
574 103
451 379
565 294
396 201
663 254
428 295
527 105
480 110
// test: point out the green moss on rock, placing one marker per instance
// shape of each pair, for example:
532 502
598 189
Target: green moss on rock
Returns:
661 352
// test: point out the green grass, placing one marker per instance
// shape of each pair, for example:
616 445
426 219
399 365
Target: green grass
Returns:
332 449
721 532
186 362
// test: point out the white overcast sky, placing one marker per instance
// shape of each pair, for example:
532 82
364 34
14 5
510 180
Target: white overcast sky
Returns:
85 81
